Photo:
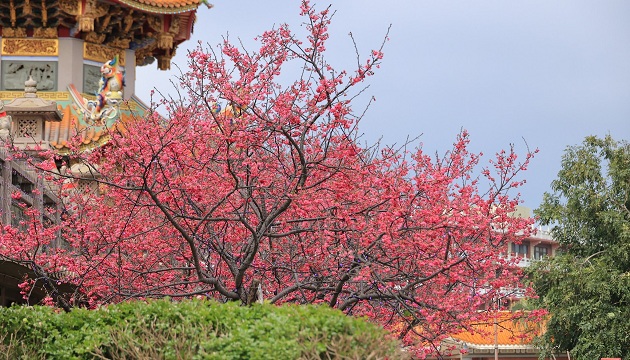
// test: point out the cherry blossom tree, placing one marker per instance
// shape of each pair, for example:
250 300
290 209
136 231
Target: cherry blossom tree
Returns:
273 198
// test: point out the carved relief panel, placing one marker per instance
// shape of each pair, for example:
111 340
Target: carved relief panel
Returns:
15 73
91 77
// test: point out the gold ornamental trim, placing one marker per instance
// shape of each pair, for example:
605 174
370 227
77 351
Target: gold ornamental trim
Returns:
30 47
48 95
102 53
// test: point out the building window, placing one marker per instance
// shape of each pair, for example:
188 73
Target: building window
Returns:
541 252
521 250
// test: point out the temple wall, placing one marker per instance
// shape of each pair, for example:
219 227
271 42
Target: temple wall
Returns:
70 63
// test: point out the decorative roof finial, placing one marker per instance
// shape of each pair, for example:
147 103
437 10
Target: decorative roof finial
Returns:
30 88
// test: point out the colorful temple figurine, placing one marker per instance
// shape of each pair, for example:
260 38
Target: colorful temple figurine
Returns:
108 96
111 84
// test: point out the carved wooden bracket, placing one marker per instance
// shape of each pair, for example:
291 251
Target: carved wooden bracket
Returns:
85 14
164 60
166 28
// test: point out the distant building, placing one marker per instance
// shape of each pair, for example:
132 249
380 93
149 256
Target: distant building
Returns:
510 338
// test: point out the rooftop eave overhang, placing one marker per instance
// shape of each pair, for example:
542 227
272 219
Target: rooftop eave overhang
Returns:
161 9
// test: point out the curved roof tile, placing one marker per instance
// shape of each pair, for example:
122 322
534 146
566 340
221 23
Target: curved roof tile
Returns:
509 331
163 6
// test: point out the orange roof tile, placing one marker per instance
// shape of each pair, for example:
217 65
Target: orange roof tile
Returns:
61 132
510 331
163 6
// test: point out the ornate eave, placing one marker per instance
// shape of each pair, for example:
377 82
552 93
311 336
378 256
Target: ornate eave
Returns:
152 28
162 6
22 14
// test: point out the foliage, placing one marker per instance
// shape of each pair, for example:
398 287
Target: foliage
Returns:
191 330
587 289
273 197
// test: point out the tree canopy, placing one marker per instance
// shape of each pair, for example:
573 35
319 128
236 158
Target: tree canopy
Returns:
587 288
273 197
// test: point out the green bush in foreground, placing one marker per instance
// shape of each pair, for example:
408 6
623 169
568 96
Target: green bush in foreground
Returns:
191 330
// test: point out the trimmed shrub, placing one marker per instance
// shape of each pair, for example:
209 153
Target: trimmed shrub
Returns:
193 329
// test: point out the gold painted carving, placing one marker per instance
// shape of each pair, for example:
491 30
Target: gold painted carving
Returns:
12 13
155 22
71 7
164 36
102 53
85 14
30 47
114 12
175 24
86 23
26 8
165 41
45 33
44 13
93 9
164 61
120 43
128 21
95 38
143 54
14 32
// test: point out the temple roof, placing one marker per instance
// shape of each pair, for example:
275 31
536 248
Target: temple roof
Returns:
60 133
70 124
162 6
152 28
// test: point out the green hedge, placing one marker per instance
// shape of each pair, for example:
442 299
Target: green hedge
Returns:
191 330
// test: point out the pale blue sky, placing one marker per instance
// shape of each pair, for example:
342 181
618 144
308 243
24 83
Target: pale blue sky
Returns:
549 72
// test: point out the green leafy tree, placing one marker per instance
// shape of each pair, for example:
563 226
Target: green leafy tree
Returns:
587 288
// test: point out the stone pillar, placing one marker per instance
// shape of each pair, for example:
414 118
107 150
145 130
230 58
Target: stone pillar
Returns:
70 63
130 74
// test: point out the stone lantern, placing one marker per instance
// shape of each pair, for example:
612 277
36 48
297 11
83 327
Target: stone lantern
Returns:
27 117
